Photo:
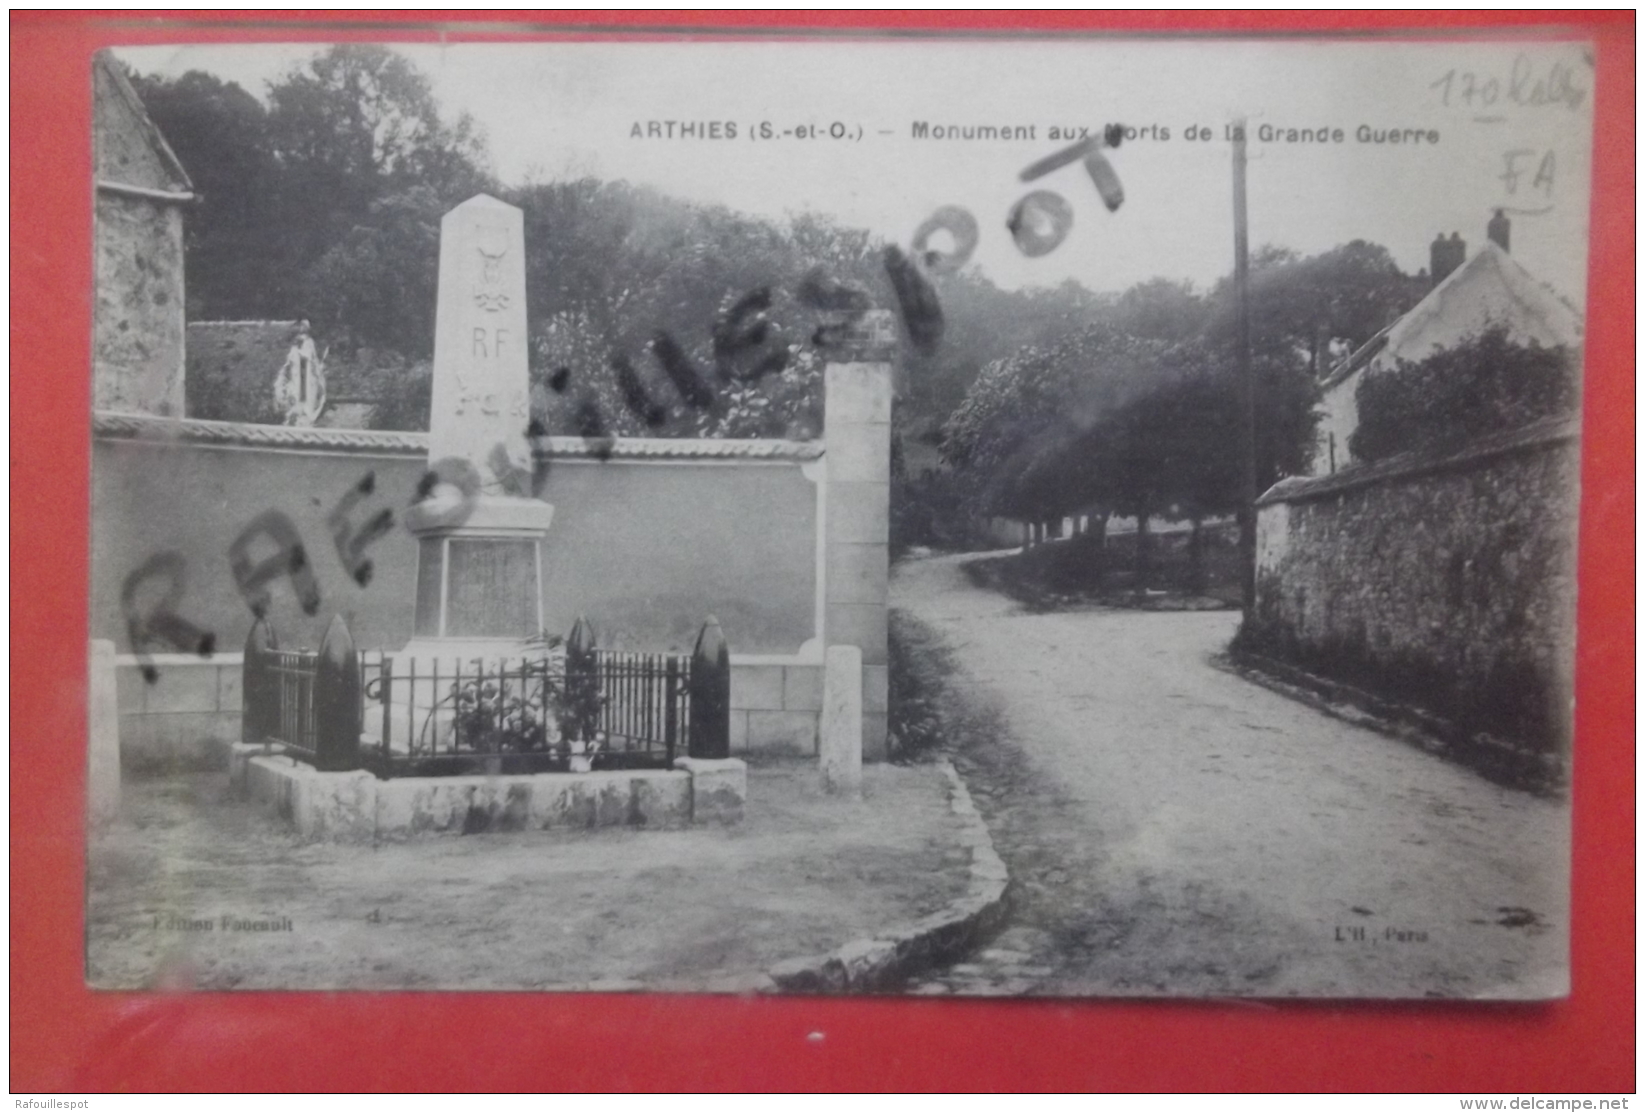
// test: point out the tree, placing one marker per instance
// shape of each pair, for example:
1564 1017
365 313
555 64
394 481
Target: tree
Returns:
377 285
1324 305
356 117
219 133
405 401
285 185
348 128
672 319
1160 309
1355 291
1177 451
1486 384
984 324
1033 430
1168 446
1136 414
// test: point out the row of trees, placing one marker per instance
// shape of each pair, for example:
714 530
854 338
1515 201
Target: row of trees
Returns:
1138 412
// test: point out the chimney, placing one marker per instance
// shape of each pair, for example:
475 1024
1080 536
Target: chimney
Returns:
1445 256
1497 230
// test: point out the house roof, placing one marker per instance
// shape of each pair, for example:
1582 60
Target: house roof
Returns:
108 75
230 368
1490 288
239 348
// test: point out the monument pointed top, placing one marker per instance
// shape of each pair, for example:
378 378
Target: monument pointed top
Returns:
481 395
484 201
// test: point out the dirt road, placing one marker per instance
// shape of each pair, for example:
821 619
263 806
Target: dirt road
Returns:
1174 829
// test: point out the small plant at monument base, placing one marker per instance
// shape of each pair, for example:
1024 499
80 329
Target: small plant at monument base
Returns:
508 714
530 711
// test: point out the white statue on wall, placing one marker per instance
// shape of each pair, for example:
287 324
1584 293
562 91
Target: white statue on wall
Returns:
300 386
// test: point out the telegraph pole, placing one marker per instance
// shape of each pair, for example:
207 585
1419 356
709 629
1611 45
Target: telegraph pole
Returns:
1248 388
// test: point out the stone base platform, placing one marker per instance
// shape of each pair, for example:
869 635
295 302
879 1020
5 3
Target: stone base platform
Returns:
358 807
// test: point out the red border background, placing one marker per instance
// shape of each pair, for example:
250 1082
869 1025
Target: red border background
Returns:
65 1038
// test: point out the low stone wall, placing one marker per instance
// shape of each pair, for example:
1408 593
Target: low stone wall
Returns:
182 719
359 807
1443 580
777 709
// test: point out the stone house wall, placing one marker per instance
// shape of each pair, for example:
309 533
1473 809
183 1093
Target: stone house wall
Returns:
137 331
1443 580
138 344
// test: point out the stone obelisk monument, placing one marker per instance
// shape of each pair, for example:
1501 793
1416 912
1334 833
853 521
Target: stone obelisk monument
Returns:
479 579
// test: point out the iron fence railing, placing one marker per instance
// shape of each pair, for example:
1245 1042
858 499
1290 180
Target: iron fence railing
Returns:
570 709
433 717
293 672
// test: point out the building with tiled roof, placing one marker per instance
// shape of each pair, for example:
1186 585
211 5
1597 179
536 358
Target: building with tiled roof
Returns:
1484 290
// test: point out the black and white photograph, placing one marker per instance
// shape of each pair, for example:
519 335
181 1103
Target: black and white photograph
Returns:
945 516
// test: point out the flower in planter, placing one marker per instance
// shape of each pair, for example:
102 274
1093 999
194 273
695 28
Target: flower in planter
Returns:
509 712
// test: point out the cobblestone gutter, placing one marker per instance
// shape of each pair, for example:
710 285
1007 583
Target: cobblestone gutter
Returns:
1499 759
890 958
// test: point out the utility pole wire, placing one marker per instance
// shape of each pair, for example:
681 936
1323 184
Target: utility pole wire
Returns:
1248 390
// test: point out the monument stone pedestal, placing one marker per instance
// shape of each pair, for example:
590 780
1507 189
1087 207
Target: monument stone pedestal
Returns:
479 600
479 581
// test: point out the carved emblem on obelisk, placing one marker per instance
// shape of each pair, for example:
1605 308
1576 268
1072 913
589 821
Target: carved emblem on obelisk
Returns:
491 243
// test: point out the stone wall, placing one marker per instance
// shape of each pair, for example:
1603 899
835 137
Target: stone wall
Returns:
646 543
1445 581
182 720
137 343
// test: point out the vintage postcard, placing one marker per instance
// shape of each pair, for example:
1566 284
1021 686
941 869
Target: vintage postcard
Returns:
1059 516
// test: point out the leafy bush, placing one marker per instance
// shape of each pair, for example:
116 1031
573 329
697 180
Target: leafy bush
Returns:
507 714
1486 384
212 392
918 663
403 401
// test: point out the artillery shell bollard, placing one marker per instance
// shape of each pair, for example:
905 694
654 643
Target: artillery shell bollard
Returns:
259 686
337 708
582 691
710 735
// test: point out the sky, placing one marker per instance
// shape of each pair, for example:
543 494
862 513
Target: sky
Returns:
1505 123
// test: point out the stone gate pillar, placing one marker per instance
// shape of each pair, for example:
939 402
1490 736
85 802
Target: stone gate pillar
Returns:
857 439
